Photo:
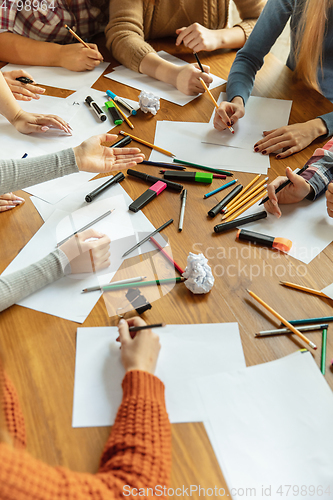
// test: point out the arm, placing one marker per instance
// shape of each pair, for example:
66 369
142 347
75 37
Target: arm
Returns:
18 49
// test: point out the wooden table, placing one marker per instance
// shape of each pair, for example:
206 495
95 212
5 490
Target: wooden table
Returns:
39 350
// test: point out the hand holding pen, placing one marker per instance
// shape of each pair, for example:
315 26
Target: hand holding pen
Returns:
21 85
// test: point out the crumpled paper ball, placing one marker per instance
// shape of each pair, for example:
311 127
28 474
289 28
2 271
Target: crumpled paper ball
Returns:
149 103
199 275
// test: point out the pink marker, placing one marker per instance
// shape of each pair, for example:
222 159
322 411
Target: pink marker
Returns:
147 196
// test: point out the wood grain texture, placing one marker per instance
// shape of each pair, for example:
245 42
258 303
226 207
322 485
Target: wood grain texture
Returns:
39 350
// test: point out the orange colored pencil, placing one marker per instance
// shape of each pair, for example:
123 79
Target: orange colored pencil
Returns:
146 143
248 205
284 321
246 200
123 114
304 289
77 36
231 204
213 99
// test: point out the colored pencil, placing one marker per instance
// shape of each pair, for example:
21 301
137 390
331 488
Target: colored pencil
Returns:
228 184
146 143
148 237
165 281
303 289
162 164
100 287
323 351
213 99
203 167
233 202
244 196
166 255
284 321
77 36
285 183
87 226
298 322
248 205
280 331
246 200
129 123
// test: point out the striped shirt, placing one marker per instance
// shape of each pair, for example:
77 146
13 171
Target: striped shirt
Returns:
320 171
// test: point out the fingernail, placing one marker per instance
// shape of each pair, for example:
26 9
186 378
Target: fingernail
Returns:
264 152
274 202
44 129
278 156
229 124
256 149
10 206
18 202
19 198
122 321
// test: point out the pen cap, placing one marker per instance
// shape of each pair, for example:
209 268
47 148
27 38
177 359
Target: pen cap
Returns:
263 239
89 99
111 94
147 196
215 210
114 113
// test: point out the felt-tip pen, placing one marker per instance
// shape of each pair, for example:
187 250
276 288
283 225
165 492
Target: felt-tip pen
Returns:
147 196
152 179
90 101
24 79
204 177
117 119
120 101
110 182
281 244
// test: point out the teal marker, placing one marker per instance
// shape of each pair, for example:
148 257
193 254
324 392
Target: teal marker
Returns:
203 167
117 120
298 322
220 188
120 101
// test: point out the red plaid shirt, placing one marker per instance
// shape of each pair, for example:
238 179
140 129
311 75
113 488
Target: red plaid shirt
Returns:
44 20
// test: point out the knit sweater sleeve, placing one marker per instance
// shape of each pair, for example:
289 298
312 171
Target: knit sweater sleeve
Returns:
18 285
249 11
125 36
251 57
18 174
137 455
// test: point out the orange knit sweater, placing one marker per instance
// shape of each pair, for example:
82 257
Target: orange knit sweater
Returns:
137 453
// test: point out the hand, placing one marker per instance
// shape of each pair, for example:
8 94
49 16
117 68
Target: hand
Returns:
87 255
188 79
229 113
291 138
77 57
91 156
329 198
22 91
296 191
28 123
9 201
197 38
141 351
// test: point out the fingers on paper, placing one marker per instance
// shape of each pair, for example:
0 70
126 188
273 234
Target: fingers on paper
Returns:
51 121
274 140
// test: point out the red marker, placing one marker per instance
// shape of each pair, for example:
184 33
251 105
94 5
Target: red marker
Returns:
281 244
147 196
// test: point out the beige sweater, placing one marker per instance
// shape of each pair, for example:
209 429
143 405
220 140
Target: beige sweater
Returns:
132 22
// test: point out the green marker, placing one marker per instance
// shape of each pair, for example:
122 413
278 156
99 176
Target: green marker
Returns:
204 177
323 351
117 119
143 283
202 167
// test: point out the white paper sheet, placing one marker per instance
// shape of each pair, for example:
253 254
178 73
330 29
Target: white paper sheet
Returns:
187 142
306 224
160 89
271 425
187 352
260 114
328 291
60 77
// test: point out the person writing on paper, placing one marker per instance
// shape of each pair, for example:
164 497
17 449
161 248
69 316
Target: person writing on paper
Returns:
74 255
34 33
312 183
198 24
137 454
310 57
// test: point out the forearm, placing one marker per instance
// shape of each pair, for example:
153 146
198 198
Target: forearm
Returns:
18 174
153 65
18 285
18 49
230 38
9 107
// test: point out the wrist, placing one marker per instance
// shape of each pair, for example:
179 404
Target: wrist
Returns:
318 127
56 54
15 115
238 100
78 160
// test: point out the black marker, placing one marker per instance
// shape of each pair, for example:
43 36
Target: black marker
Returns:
122 142
152 179
215 210
90 101
24 79
117 178
220 228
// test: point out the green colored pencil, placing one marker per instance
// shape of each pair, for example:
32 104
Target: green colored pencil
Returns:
323 351
143 283
298 322
202 167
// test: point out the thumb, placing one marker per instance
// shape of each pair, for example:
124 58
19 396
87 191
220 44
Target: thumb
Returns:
124 334
90 233
295 179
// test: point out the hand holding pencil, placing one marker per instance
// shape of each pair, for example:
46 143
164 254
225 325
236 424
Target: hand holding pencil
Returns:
79 56
228 113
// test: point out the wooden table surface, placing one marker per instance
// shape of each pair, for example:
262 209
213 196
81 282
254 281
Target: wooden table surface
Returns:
39 350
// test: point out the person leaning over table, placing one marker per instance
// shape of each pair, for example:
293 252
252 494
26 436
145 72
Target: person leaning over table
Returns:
136 455
310 57
74 255
33 32
310 184
198 24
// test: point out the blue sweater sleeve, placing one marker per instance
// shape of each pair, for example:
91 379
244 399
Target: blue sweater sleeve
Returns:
328 120
250 58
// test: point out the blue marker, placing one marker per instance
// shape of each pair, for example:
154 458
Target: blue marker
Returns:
220 188
120 101
25 154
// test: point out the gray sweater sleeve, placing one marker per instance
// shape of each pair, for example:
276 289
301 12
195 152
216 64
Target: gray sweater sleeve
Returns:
16 286
18 174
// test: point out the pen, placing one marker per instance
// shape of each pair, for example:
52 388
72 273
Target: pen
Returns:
323 351
147 237
182 210
144 283
24 79
145 327
281 331
207 195
110 182
152 179
122 142
120 282
120 101
90 101
76 36
162 164
87 226
297 171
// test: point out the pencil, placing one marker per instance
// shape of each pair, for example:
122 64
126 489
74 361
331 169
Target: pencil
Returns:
215 103
166 255
248 205
123 114
284 321
228 184
285 183
143 283
146 143
198 61
303 289
87 226
280 331
297 322
323 351
244 196
147 238
203 167
77 36
233 202
246 200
